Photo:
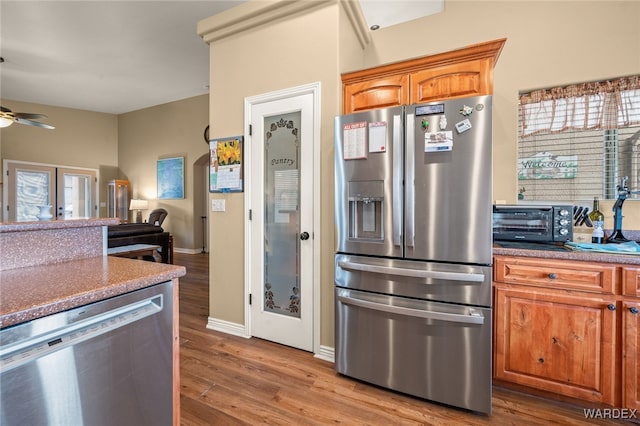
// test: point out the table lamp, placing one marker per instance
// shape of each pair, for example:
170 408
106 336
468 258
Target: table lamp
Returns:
137 206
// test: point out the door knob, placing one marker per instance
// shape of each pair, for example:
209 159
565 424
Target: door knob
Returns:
304 236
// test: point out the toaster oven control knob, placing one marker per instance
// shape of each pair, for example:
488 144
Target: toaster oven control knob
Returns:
563 231
564 222
564 212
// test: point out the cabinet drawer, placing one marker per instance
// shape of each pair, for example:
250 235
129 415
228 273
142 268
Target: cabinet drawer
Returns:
556 342
560 274
631 281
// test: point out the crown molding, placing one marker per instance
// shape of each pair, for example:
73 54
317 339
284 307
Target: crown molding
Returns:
358 22
252 14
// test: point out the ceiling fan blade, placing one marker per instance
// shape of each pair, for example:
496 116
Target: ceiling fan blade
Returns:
33 123
28 116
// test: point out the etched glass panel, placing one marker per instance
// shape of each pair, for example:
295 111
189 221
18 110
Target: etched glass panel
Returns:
281 214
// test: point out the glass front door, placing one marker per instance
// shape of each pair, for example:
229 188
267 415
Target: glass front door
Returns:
70 193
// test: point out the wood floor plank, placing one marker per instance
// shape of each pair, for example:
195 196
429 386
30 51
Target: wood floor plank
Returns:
229 380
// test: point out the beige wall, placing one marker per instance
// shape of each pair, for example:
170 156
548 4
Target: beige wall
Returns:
300 50
80 139
548 43
170 130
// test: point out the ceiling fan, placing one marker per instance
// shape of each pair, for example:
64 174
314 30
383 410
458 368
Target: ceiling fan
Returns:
8 117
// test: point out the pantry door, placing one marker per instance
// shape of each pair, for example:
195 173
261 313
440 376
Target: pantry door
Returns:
281 230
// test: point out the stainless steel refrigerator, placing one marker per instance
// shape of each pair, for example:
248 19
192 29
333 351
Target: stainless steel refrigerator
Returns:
413 208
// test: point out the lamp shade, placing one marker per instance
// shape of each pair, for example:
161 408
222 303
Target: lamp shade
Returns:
5 122
139 205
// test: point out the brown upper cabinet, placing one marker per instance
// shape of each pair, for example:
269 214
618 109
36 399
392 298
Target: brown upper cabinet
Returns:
455 74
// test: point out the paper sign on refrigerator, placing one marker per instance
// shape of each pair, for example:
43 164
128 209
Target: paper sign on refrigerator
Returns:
354 140
378 136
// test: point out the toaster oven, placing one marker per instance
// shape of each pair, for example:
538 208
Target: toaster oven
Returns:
536 223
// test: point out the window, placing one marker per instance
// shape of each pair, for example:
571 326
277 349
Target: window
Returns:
576 142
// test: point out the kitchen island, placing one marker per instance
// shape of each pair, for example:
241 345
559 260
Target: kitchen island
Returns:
567 323
59 271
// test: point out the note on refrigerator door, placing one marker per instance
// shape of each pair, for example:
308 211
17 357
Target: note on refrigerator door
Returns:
378 136
354 140
438 141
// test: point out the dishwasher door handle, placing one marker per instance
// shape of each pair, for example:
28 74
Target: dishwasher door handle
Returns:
474 316
417 273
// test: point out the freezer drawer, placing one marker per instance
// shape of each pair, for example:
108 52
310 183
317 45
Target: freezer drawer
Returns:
440 352
466 284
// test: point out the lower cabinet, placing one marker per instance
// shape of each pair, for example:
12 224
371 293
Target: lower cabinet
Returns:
630 356
557 342
568 327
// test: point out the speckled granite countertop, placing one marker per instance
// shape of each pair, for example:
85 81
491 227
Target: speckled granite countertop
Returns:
628 259
56 224
37 291
553 252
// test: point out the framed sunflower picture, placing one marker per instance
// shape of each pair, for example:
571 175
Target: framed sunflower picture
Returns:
225 164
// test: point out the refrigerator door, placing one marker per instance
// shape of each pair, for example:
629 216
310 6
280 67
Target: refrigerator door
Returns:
449 181
368 182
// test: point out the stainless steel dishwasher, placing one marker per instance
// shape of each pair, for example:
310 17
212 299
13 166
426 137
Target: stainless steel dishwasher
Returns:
107 363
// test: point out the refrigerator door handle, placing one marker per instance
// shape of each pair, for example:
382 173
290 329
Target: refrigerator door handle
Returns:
474 316
411 175
415 273
397 180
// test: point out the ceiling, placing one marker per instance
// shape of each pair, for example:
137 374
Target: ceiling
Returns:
121 56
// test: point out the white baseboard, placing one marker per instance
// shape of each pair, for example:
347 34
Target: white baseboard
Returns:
187 251
227 327
326 353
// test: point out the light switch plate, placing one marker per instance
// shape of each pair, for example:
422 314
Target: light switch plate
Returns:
217 205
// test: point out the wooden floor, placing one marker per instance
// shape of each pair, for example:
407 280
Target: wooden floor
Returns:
228 380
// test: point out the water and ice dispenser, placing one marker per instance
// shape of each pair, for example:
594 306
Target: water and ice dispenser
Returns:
366 202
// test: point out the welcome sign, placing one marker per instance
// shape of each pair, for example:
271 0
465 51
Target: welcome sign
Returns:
546 165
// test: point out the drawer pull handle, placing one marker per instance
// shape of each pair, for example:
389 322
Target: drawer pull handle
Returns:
541 360
633 310
611 307
552 276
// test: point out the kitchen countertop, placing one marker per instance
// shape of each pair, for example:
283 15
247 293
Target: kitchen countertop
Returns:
37 291
56 224
559 252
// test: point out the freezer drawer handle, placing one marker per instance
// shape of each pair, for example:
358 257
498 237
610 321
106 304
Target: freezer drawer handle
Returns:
474 316
417 273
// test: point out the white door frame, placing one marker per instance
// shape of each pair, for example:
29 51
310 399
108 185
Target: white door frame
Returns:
314 89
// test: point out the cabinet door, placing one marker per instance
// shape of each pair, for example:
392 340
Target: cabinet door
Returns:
630 357
473 78
381 92
556 342
631 281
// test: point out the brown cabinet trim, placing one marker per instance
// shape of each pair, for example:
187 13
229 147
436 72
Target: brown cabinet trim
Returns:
487 50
